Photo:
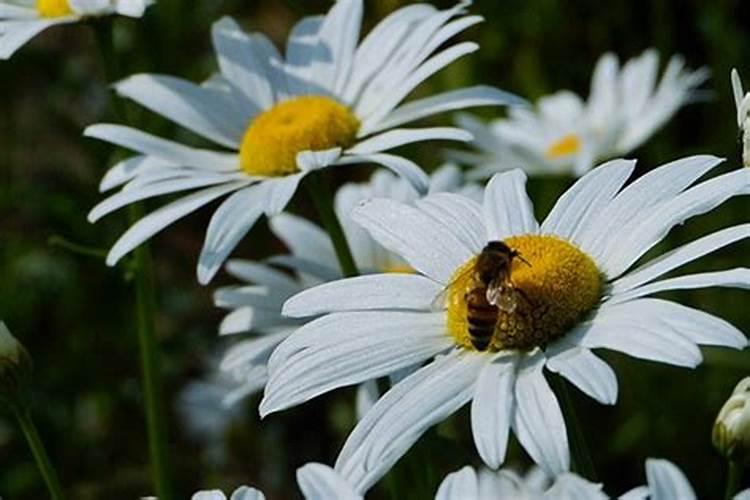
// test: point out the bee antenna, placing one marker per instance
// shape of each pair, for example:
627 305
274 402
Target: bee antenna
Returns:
520 257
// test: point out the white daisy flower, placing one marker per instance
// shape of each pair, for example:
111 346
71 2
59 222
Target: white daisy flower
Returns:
316 482
565 135
21 20
667 482
571 293
255 306
328 101
742 101
506 484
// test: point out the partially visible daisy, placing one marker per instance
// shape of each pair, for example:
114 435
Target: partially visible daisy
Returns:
316 482
255 305
742 102
565 135
572 293
328 101
506 484
21 20
665 481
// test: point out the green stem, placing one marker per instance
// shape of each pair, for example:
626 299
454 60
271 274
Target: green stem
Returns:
582 463
145 308
734 478
323 200
40 453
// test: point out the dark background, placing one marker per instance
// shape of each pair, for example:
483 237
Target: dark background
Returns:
76 316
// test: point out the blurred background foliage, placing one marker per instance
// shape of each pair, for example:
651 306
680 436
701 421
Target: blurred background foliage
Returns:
76 316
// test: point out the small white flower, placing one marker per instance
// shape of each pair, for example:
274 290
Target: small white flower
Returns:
506 484
574 295
327 102
742 101
565 135
316 482
667 482
255 306
21 20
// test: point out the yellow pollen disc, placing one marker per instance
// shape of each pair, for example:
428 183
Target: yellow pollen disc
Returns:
274 137
568 145
53 8
560 286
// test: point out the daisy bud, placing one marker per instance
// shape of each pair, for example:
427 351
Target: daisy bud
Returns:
15 366
731 433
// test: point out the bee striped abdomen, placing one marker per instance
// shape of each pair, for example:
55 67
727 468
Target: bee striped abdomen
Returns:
481 317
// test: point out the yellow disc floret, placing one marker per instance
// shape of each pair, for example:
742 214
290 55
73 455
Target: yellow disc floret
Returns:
558 286
53 8
567 145
276 136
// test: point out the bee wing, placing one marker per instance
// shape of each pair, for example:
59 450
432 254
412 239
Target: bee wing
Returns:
438 303
502 294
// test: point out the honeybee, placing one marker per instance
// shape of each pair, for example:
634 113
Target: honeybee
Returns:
492 292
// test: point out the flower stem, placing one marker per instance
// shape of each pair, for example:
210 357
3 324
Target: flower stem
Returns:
23 414
582 463
734 478
323 200
145 307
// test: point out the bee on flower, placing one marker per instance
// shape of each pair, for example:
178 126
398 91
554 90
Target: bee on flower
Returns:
329 101
21 20
566 135
575 292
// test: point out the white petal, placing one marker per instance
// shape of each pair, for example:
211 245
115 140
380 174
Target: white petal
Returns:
13 34
732 278
640 329
742 495
132 8
639 493
460 485
639 236
205 111
584 201
254 351
569 486
339 33
586 371
367 395
361 293
344 349
461 214
303 53
538 421
8 12
308 161
679 256
428 246
404 413
320 482
492 408
479 95
398 137
304 239
167 151
128 196
164 216
666 481
243 63
406 169
245 319
739 95
209 495
127 169
306 268
508 211
262 274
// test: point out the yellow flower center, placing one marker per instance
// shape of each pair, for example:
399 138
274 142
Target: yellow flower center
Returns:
568 145
558 286
53 8
308 123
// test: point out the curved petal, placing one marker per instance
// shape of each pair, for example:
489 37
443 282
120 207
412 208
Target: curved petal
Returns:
508 211
128 169
404 413
398 137
428 246
731 278
15 33
362 293
304 239
569 486
205 111
404 168
492 408
320 482
348 348
460 485
261 274
587 372
461 214
666 481
538 421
